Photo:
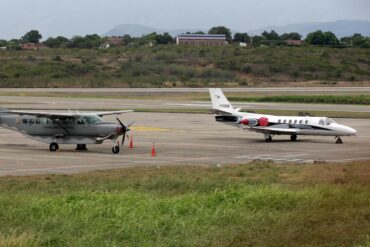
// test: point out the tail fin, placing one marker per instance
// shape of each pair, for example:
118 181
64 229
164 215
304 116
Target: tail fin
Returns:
220 102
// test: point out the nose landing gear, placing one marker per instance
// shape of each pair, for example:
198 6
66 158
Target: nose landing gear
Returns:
339 140
115 149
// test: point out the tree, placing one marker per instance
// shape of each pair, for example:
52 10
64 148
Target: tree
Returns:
57 42
241 37
3 43
258 40
88 42
164 38
272 35
291 36
315 38
32 36
221 30
320 38
330 39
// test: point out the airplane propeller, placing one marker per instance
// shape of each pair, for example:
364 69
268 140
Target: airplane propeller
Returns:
125 129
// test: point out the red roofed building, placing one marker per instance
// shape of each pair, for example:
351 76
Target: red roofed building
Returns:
32 46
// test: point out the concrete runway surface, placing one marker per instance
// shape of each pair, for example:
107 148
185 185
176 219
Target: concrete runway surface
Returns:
180 139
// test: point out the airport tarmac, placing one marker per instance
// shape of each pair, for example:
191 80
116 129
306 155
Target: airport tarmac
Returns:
180 139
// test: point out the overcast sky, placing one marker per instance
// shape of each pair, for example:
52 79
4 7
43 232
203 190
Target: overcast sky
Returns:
72 17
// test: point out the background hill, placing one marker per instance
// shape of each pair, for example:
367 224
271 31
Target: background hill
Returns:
341 28
135 30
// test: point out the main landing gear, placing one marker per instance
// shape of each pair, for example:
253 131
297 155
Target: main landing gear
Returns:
268 137
339 140
293 138
53 147
81 147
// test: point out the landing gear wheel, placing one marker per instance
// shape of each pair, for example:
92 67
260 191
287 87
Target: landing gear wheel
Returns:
115 149
293 138
81 147
268 138
339 140
53 147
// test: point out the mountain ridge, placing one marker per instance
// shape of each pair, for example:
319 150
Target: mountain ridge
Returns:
341 28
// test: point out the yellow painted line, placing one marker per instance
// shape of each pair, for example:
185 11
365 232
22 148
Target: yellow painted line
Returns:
147 129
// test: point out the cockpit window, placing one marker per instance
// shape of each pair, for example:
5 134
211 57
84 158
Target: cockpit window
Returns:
329 121
92 119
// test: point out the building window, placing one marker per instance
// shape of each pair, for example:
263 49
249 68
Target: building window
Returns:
25 121
31 121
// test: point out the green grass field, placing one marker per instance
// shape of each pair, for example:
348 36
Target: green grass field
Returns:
259 204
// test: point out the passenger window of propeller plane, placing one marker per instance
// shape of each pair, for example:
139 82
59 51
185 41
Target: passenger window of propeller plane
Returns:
44 120
81 121
279 121
306 122
295 121
284 120
300 121
321 121
290 121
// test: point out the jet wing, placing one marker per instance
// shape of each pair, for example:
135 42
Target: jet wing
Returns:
275 130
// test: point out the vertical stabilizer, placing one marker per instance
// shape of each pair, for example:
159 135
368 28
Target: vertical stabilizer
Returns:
220 102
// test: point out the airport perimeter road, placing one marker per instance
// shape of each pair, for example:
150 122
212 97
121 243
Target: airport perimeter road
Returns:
188 90
180 139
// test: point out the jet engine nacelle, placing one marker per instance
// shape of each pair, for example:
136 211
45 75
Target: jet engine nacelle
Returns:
249 121
263 122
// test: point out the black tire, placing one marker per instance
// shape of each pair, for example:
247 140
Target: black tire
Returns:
53 147
269 139
339 141
81 147
293 138
115 149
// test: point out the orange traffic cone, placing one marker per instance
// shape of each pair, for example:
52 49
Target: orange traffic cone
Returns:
131 142
153 150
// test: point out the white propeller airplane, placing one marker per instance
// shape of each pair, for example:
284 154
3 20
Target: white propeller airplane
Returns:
270 125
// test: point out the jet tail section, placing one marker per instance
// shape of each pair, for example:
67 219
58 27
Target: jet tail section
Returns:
219 102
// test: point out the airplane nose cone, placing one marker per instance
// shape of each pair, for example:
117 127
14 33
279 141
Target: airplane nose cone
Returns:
350 131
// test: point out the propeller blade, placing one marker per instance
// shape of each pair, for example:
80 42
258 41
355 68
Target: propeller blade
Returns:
123 126
123 139
128 126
